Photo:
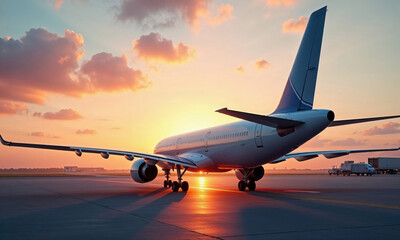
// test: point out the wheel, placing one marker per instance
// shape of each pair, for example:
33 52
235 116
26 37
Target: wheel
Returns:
165 183
330 174
242 185
185 186
362 174
251 185
169 183
175 186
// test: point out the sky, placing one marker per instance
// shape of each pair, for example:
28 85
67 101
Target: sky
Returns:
126 74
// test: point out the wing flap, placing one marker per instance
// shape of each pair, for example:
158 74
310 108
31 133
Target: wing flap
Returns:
105 152
261 119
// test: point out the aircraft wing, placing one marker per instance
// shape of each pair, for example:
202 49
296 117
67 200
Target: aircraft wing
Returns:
105 153
360 120
303 156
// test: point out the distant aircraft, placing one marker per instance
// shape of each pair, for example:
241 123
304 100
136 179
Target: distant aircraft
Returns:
245 145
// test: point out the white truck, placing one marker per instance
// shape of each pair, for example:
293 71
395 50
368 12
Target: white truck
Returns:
349 167
384 165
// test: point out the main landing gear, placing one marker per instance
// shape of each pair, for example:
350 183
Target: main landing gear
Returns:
176 184
250 184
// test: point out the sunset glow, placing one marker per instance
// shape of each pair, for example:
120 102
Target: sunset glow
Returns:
124 75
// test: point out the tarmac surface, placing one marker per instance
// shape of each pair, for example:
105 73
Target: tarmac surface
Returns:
282 207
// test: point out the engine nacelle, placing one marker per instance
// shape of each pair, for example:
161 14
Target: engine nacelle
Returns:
141 172
256 175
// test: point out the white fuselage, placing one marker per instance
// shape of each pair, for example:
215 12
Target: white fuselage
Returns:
242 144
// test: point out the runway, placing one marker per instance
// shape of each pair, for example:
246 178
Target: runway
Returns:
283 207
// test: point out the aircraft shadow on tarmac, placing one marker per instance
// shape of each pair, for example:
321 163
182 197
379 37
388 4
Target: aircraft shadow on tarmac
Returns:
85 220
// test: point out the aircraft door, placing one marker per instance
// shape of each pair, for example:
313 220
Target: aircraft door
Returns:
206 139
257 135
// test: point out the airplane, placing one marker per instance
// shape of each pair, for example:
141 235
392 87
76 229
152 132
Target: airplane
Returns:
244 146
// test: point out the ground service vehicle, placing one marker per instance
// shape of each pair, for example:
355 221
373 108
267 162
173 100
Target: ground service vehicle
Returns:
385 165
334 170
349 167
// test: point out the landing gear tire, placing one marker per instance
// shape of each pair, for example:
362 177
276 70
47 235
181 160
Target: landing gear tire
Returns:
185 186
251 185
242 185
169 183
165 183
175 186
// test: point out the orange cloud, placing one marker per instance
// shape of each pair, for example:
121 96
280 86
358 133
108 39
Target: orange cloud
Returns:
58 3
63 114
262 64
86 132
347 142
274 3
224 13
155 47
37 134
8 108
107 73
161 13
387 128
239 69
292 26
50 65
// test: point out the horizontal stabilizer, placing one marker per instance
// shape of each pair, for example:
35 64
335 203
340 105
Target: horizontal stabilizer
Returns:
360 120
261 119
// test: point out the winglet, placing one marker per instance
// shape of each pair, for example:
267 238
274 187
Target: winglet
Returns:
4 142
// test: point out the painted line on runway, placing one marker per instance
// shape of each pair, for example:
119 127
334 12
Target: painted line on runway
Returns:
348 202
285 196
301 191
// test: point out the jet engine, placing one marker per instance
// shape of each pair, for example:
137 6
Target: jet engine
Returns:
256 174
141 172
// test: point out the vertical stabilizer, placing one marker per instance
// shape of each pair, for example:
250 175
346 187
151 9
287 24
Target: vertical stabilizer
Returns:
300 87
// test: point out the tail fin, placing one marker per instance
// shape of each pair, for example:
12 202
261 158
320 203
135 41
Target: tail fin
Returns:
300 87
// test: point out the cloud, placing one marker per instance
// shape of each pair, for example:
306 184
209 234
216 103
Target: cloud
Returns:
262 64
58 3
316 142
347 142
9 108
63 114
86 132
37 134
291 26
155 47
274 3
224 13
50 65
387 128
161 13
239 69
107 73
